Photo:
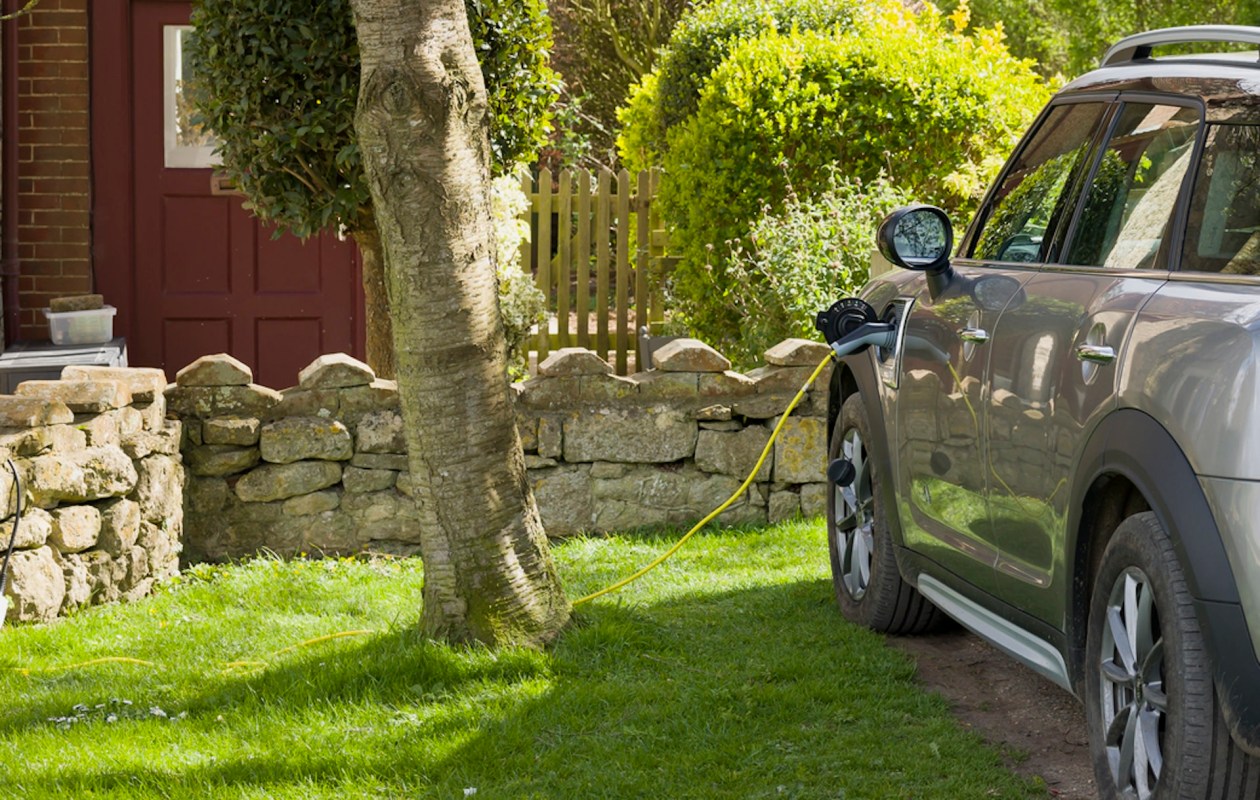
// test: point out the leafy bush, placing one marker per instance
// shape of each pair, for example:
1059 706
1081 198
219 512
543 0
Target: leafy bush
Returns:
277 82
913 97
700 42
521 303
800 260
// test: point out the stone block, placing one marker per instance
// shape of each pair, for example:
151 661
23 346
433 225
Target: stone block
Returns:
725 386
36 586
146 384
239 431
75 477
164 441
381 432
715 413
160 488
800 452
404 484
379 395
564 498
813 499
30 412
44 439
538 462
33 531
573 361
359 480
313 503
105 574
797 353
282 481
655 434
787 380
101 429
735 453
220 369
379 461
527 427
550 393
608 469
762 406
783 506
163 547
73 529
216 460
78 584
153 414
205 402
335 371
722 425
606 388
120 526
207 496
299 438
656 386
550 437
82 397
308 403
689 355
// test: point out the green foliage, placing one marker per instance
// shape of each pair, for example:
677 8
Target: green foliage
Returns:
936 110
702 39
800 259
277 82
522 304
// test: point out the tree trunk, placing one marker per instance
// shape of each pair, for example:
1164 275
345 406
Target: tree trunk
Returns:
422 125
379 339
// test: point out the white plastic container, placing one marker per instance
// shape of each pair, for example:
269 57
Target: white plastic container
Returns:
81 327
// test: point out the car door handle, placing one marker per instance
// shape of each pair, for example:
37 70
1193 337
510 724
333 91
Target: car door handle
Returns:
974 335
1095 353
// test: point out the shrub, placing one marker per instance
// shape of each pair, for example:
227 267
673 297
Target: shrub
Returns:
909 96
699 43
521 303
800 260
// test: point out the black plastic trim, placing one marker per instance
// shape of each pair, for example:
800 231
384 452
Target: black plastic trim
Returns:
1134 445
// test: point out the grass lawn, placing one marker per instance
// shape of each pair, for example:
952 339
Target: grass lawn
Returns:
726 673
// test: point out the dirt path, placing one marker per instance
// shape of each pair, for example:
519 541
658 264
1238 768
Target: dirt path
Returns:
1010 706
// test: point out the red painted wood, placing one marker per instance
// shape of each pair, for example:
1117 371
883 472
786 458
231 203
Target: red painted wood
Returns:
204 276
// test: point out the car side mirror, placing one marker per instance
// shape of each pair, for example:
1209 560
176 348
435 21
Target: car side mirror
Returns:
920 238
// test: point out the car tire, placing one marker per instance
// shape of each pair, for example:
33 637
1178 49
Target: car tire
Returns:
1155 730
869 587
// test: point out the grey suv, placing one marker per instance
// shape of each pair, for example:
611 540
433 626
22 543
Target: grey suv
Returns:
1056 438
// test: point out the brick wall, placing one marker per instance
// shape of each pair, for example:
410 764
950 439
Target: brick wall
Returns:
53 158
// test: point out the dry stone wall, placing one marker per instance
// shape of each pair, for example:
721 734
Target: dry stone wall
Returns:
322 466
102 486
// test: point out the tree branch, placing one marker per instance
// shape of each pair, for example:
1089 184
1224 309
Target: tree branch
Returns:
23 11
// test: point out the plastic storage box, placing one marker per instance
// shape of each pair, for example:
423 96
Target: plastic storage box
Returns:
81 327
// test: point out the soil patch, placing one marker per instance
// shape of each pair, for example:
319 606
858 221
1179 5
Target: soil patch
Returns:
1040 726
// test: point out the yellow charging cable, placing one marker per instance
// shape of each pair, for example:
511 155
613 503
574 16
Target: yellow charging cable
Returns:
715 512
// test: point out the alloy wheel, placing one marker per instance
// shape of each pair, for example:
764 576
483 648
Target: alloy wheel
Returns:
854 522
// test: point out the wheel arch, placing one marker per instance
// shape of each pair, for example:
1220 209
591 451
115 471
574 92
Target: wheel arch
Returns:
1130 464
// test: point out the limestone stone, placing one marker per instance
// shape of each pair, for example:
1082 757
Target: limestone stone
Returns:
724 425
327 534
160 488
29 412
145 383
573 361
153 414
656 386
379 461
762 406
689 355
120 526
104 575
797 353
655 494
221 459
564 498
550 437
734 454
78 584
548 393
800 453
101 429
381 432
192 432
527 427
359 480
783 506
379 395
538 462
297 438
91 397
163 547
297 402
653 434
33 531
786 380
164 441
404 485
74 528
204 402
608 469
605 388
725 386
215 370
282 481
813 499
335 371
715 413
44 439
313 503
74 477
36 586
239 431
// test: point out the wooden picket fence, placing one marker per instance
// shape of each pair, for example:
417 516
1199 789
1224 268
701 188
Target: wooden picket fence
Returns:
599 252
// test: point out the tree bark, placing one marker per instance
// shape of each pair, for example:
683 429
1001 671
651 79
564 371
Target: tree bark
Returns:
379 335
423 128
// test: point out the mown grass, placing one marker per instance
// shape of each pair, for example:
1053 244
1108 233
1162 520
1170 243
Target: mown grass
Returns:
727 673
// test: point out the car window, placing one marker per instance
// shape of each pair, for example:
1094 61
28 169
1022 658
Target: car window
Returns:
1223 232
1033 194
1134 189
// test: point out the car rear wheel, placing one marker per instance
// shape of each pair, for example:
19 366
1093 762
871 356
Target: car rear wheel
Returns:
1155 729
869 588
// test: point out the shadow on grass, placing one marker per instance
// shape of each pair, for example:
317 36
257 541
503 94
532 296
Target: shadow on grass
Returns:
761 692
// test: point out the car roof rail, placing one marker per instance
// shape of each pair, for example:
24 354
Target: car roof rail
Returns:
1138 46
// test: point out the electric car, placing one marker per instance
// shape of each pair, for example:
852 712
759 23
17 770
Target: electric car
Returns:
1051 433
